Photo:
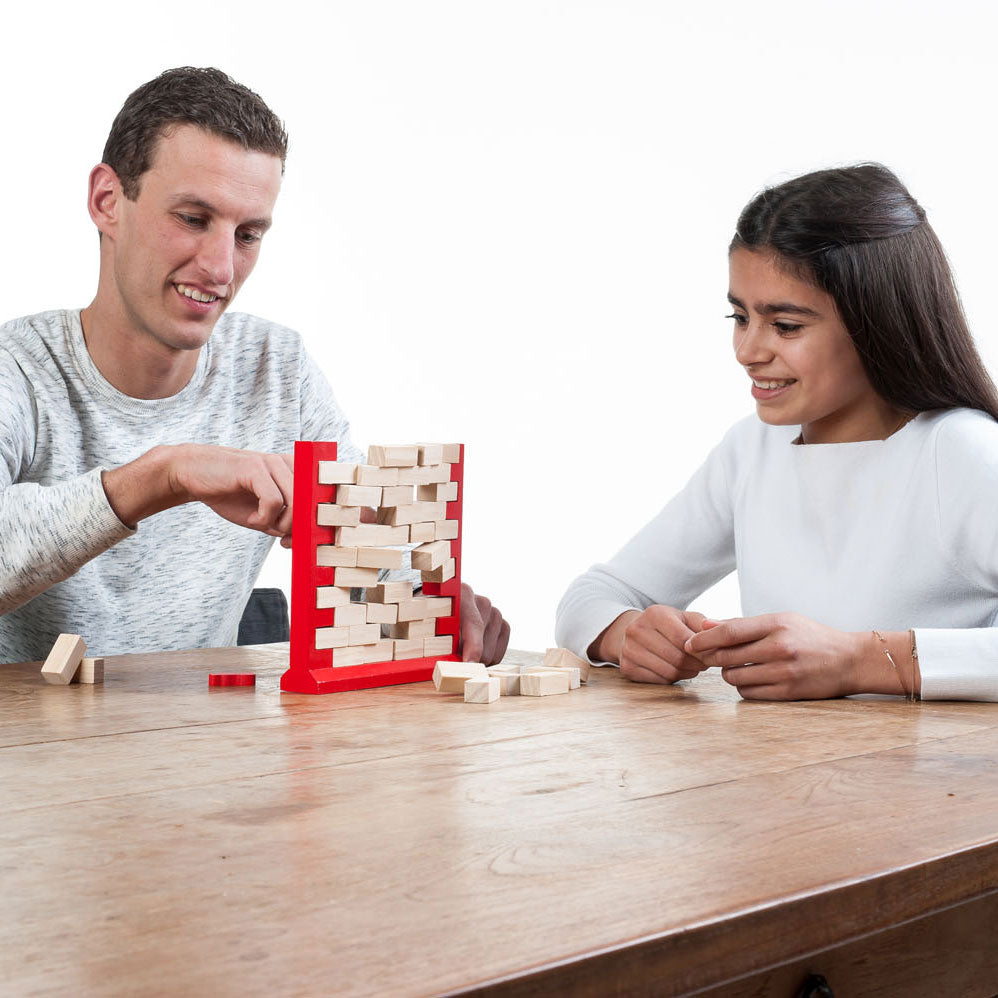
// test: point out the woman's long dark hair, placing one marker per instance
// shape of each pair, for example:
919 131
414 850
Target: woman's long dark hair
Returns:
858 234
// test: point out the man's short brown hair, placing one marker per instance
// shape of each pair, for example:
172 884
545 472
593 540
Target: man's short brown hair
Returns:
188 95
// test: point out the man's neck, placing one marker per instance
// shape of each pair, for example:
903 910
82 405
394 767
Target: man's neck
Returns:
131 360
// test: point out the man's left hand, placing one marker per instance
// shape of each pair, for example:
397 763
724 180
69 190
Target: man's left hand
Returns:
484 633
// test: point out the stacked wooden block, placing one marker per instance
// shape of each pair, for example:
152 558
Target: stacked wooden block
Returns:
410 487
561 672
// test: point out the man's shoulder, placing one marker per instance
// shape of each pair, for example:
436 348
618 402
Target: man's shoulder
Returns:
36 338
244 333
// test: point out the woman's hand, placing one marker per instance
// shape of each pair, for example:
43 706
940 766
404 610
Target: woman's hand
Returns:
779 656
648 645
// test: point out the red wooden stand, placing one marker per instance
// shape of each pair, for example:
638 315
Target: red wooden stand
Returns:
311 670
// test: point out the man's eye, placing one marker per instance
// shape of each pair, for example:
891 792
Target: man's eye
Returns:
250 236
194 221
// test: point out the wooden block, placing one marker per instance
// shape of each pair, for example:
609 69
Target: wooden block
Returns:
330 515
398 495
431 454
452 453
330 596
419 533
64 659
562 658
330 556
509 682
450 677
358 495
371 535
380 651
574 674
335 473
424 476
440 492
91 671
349 656
444 573
437 606
393 457
408 648
355 577
481 690
446 530
415 512
382 613
439 644
352 613
413 609
544 683
389 592
331 637
365 634
378 557
427 557
409 629
369 474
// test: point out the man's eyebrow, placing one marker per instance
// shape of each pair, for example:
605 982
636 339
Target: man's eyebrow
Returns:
207 206
774 308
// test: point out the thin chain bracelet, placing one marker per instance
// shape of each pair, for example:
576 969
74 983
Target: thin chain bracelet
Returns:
894 666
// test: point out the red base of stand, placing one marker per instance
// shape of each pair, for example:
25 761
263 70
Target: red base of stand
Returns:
362 677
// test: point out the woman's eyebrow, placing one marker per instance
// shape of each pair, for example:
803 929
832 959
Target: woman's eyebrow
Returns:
776 307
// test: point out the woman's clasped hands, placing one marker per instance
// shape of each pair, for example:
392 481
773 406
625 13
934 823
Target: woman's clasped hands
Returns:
774 656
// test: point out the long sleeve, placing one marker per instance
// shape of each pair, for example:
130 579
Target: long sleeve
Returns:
686 548
962 663
47 532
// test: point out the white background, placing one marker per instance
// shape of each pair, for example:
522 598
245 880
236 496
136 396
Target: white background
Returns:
505 223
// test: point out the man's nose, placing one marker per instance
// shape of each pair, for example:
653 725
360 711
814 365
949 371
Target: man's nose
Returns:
216 256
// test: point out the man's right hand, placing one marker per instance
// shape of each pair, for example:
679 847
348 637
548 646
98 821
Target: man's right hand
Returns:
648 645
249 488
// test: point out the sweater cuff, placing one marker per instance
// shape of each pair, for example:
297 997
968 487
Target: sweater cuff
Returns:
958 664
587 623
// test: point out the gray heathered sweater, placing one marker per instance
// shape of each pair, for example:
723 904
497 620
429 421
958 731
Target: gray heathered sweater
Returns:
67 564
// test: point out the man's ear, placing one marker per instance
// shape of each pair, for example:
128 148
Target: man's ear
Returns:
104 198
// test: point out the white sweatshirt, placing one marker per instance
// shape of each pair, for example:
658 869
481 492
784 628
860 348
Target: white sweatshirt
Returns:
887 534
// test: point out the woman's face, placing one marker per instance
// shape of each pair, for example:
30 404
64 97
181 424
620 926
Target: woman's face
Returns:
802 362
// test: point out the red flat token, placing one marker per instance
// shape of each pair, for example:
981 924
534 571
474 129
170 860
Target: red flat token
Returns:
232 679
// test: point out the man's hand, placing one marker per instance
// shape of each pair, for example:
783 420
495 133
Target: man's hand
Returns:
248 488
484 633
648 645
779 656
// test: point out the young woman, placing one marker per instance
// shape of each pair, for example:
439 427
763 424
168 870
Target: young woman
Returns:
861 507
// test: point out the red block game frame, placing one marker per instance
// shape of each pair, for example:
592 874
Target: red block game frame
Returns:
311 669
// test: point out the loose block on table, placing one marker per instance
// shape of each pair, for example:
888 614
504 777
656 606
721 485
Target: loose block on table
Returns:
542 684
450 677
90 672
64 659
562 658
481 690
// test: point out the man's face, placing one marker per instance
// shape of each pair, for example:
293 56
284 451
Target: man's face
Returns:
184 246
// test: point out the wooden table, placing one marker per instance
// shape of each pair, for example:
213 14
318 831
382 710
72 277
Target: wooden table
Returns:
159 837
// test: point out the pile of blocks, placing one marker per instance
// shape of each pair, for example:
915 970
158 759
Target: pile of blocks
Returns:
66 663
561 672
410 487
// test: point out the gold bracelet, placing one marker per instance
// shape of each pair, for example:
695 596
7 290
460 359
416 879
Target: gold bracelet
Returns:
915 668
894 665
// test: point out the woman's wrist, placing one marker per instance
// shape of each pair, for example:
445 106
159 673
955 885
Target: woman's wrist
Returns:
882 663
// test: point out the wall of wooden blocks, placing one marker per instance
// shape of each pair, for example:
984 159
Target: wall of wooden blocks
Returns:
351 522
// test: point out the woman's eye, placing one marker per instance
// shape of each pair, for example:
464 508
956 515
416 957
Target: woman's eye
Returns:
740 319
786 328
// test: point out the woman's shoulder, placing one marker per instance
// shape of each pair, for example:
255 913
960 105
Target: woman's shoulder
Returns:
959 428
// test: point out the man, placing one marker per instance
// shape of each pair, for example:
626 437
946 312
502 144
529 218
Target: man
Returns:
132 430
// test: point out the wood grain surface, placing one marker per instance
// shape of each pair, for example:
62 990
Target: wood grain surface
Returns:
161 837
